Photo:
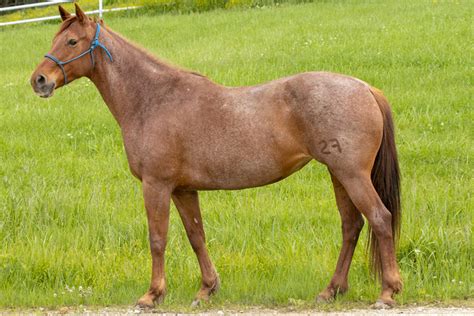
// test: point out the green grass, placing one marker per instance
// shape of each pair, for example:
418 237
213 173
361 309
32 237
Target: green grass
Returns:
71 215
148 7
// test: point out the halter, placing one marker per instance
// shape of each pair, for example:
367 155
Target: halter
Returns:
95 43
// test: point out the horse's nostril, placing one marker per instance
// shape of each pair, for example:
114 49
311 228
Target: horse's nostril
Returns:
41 79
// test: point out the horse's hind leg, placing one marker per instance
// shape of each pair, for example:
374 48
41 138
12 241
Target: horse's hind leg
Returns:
352 223
361 191
187 204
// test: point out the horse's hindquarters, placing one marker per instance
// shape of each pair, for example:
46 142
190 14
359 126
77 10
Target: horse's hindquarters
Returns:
341 119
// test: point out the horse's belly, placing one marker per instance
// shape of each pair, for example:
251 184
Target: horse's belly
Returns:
244 171
250 140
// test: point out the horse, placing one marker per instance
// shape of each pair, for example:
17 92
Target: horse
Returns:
183 133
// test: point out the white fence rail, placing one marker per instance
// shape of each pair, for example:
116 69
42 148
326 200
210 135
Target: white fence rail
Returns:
33 5
56 2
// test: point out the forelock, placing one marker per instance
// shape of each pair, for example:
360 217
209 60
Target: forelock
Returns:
66 23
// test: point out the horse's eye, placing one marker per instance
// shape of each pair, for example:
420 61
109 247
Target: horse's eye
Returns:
72 42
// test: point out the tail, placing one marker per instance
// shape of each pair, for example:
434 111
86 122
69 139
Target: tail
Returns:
386 180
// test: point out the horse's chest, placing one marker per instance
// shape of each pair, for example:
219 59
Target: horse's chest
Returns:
150 155
132 150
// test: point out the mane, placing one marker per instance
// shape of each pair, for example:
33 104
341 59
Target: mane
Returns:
150 57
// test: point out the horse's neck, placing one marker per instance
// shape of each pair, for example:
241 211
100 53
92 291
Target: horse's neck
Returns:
132 80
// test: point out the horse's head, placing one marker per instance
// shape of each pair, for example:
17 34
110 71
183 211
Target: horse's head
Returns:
74 37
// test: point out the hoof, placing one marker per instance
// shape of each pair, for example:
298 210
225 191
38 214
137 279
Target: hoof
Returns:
383 305
330 293
149 300
196 303
142 304
322 299
326 296
204 294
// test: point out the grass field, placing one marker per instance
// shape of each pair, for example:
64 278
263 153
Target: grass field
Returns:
72 223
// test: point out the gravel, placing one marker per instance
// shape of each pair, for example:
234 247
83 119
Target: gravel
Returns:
413 310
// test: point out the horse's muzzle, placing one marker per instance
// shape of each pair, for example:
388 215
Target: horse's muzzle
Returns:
42 86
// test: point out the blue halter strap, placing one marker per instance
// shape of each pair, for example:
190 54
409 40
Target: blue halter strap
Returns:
95 43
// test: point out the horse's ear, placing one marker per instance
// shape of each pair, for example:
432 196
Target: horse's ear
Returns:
81 16
64 14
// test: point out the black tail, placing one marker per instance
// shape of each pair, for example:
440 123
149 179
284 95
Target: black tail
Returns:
386 179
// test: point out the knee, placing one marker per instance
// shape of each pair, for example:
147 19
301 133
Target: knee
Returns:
157 245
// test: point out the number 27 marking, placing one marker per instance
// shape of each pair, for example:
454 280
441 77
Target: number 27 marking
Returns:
331 144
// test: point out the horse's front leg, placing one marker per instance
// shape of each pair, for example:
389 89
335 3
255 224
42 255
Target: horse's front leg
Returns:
187 204
157 203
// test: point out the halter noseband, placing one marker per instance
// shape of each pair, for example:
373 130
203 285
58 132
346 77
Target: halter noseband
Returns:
95 43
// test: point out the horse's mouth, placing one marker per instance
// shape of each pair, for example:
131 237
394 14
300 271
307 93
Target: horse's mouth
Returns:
45 95
45 91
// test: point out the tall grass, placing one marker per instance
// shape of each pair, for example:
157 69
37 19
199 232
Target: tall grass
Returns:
72 224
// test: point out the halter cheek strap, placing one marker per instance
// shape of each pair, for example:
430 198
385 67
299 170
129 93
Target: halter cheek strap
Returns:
95 43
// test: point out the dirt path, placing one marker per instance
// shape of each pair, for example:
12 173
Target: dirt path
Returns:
409 310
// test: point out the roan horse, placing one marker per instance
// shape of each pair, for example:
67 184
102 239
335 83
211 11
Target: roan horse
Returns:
183 133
